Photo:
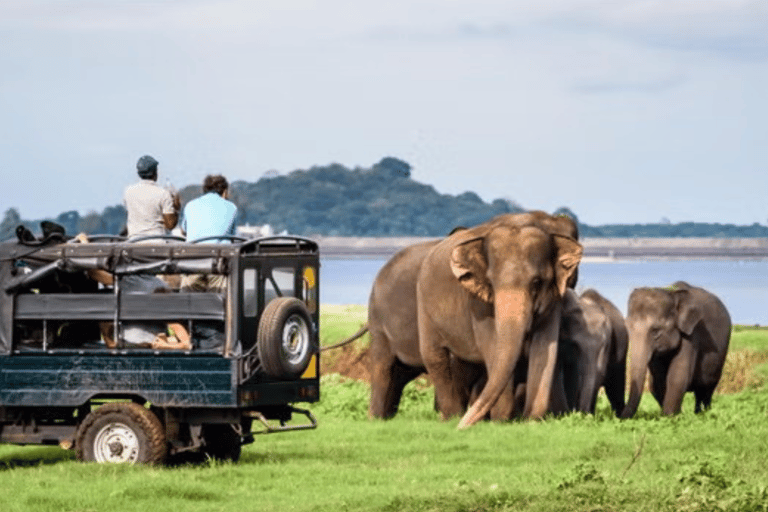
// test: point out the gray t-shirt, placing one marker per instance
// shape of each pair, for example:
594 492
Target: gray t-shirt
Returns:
146 202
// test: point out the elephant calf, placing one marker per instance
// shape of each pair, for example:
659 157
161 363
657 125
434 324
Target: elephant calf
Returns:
592 351
681 335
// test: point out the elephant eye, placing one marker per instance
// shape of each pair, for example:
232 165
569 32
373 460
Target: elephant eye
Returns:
536 284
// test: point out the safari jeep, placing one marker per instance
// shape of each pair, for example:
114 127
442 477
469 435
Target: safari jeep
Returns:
254 347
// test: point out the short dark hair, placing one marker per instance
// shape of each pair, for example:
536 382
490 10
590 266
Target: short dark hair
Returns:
215 183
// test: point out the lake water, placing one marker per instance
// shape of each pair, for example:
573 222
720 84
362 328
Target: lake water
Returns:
741 284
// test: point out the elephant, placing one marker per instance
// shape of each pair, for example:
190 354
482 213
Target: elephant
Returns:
680 335
394 351
592 351
395 357
491 294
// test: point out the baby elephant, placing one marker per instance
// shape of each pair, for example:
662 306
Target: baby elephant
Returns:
681 335
592 351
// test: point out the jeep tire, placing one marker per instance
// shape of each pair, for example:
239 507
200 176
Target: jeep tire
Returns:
121 432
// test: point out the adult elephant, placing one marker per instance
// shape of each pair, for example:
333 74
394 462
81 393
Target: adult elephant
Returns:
681 335
395 358
491 294
592 351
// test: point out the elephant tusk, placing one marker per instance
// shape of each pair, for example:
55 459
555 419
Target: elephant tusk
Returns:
470 418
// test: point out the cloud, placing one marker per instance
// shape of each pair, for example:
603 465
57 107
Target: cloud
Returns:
727 28
620 87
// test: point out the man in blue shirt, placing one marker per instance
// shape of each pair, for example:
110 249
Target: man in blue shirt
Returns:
210 215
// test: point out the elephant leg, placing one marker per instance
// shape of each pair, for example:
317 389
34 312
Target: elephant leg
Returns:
519 386
614 384
703 397
657 380
388 377
679 378
468 379
437 361
449 402
559 401
402 374
570 381
519 399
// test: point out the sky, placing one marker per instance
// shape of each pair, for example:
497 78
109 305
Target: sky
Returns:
631 111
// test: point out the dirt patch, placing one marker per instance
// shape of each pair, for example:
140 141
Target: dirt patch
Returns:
348 361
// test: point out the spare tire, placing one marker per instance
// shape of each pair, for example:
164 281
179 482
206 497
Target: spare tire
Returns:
284 338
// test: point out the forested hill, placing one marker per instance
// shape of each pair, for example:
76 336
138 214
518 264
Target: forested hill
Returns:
382 200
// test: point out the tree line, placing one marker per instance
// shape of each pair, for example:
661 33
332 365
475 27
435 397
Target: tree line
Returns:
382 200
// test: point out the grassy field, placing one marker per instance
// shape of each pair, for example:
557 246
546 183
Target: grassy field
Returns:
708 462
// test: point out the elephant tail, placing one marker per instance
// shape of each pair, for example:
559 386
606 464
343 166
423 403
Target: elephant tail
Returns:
357 335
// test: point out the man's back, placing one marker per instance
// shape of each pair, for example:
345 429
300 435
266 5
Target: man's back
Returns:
146 202
209 215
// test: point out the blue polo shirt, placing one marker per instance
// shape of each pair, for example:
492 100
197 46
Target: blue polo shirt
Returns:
209 215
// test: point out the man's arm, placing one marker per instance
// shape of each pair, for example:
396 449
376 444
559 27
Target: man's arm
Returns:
170 220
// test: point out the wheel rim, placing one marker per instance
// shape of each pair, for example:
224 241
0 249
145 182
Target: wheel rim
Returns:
117 443
295 340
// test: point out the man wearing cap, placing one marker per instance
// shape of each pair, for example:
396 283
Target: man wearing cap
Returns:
152 210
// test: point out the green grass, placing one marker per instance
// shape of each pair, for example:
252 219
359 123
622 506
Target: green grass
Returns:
752 338
339 322
708 462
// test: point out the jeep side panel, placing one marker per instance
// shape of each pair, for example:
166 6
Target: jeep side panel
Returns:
70 380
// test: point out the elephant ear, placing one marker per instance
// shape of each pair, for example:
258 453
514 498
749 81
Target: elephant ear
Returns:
569 253
688 313
470 266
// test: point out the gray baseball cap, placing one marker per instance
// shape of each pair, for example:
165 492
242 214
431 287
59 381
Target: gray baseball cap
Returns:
146 166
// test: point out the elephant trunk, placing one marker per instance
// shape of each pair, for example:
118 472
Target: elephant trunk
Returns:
513 316
640 357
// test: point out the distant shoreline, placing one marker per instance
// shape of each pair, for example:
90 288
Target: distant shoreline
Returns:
595 249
